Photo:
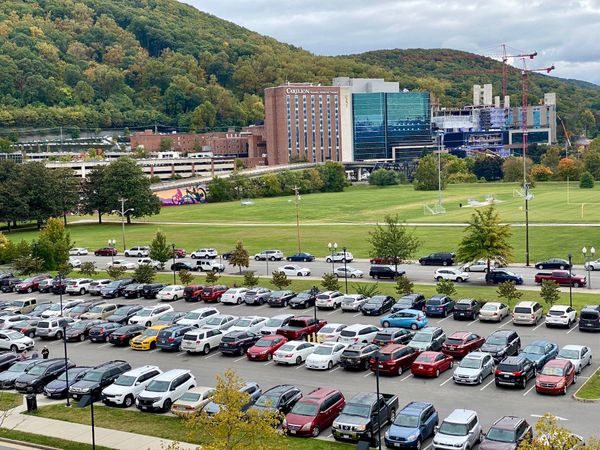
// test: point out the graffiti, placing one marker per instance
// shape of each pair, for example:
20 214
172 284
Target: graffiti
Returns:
192 196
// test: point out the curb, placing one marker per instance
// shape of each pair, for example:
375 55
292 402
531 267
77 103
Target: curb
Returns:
27 444
587 400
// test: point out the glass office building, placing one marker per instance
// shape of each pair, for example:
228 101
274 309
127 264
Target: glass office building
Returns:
384 121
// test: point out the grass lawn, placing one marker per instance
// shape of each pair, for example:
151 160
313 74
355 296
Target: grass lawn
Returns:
591 389
165 427
45 440
9 400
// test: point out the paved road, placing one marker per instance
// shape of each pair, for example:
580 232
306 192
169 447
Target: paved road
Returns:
489 401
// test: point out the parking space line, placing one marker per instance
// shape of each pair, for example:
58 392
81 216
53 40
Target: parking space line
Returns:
571 329
471 323
368 375
299 366
211 355
445 381
334 369
78 344
445 318
407 377
543 322
528 390
104 345
505 323
268 362
428 447
486 385
357 314
239 359
330 435
332 312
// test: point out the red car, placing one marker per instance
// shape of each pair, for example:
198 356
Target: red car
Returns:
180 253
213 293
382 260
106 251
461 343
431 364
265 347
314 412
30 284
556 376
393 359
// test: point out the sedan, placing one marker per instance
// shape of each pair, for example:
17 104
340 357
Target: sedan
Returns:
26 327
193 401
293 269
180 265
377 305
102 331
220 322
561 316
280 298
249 323
431 364
303 300
122 263
474 368
78 331
78 251
451 274
173 292
556 377
257 296
304 257
171 318
330 332
493 312
540 352
264 348
407 318
325 356
134 290
123 335
14 341
579 355
461 343
293 352
554 263
348 272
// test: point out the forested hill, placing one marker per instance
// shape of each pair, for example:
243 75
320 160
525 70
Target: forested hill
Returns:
110 63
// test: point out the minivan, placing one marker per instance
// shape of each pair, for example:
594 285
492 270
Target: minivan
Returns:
164 389
589 319
314 412
527 313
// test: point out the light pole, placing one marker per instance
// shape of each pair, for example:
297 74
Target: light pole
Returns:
112 243
377 355
526 187
174 280
588 267
122 213
314 292
332 248
440 144
345 271
297 203
64 332
570 280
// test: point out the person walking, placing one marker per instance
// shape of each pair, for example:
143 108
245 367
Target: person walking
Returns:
45 352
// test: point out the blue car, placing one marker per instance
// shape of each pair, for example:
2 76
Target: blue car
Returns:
439 305
413 424
540 352
407 318
301 257
170 338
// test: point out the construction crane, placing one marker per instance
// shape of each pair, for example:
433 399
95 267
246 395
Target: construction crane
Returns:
505 58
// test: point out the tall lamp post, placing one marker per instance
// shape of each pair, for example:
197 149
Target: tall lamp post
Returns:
332 248
376 356
297 203
123 213
174 280
588 258
112 243
61 280
345 270
313 293
527 198
570 280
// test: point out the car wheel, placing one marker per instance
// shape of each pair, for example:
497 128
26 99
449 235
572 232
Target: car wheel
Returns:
539 266
576 284
459 280
328 260
352 276
413 326
418 446
128 401
81 291
561 267
206 350
299 274
167 405
439 278
299 360
330 365
400 369
193 256
315 432
386 324
437 373
29 290
59 335
467 269
148 324
31 334
272 258
479 379
239 301
269 357
305 259
82 337
444 263
13 348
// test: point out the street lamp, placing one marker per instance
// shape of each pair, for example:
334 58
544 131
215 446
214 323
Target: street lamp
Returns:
588 267
61 280
112 243
313 293
332 248
527 198
123 213
376 357
174 280
345 271
570 281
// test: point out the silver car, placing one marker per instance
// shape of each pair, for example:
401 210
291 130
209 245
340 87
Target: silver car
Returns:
353 302
474 368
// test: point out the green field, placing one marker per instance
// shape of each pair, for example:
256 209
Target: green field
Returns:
591 389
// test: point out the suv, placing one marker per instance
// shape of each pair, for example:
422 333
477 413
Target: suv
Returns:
461 429
40 375
314 412
281 398
78 286
209 266
410 301
149 291
340 257
394 359
497 276
358 333
271 255
357 356
213 293
98 378
589 318
24 306
507 433
238 342
514 371
466 308
126 388
439 305
527 313
52 328
31 284
115 288
413 424
329 299
438 259
502 343
191 293
8 284
385 272
164 389
206 253
106 251
428 339
137 251
170 338
101 311
96 286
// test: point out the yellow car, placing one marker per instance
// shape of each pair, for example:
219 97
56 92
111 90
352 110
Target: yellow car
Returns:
147 340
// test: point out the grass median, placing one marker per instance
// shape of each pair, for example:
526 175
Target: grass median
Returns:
39 439
591 388
9 400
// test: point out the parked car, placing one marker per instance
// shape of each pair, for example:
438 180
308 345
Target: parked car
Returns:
579 355
497 276
339 257
439 305
304 299
170 338
137 251
275 323
466 308
428 339
257 296
52 328
250 323
44 285
115 288
201 340
329 300
293 352
553 263
431 364
325 356
514 371
78 251
150 314
8 377
14 341
393 359
206 253
96 286
502 343
221 322
79 331
527 313
78 286
451 274
193 401
413 425
249 388
204 265
300 327
385 272
22 306
96 379
507 433
7 321
358 356
280 298
182 265
170 293
271 255
122 336
28 285
39 309
156 265
539 352
8 284
460 343
561 316
165 389
410 301
74 263
238 342
41 374
198 317
59 388
147 339
124 313
589 318
280 398
561 277
358 332
264 348
233 296
191 293
55 309
102 331
26 327
294 270
493 312
128 386
101 311
134 290
76 311
330 332
128 265
474 368
377 305
461 429
348 272
481 265
438 259
555 377
171 318
406 318
314 412
393 336
151 290
353 302
300 257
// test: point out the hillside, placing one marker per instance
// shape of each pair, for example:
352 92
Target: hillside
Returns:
112 63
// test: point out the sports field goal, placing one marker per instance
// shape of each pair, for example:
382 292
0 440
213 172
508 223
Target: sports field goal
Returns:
433 210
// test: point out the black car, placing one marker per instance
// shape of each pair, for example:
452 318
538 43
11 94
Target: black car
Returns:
410 301
281 398
385 272
466 308
7 359
124 313
115 288
98 378
376 305
59 285
357 356
58 388
514 371
8 377
589 318
4 275
497 276
79 331
303 300
134 290
438 259
100 332
227 255
393 336
121 336
8 284
149 291
180 265
301 257
41 374
238 342
280 298
502 343
554 263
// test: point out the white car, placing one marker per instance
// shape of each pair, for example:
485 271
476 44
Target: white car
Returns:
74 263
480 266
561 316
122 263
234 296
358 333
128 385
150 262
329 299
271 255
202 340
55 311
198 317
220 322
579 355
330 332
275 323
339 257
325 356
9 320
171 292
150 314
14 341
206 253
137 251
348 272
493 312
294 270
165 389
293 352
78 251
78 286
353 302
249 323
592 265
448 273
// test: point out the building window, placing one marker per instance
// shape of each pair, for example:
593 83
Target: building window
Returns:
337 128
289 125
321 127
297 123
329 126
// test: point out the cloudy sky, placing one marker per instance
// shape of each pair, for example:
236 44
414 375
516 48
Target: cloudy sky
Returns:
565 33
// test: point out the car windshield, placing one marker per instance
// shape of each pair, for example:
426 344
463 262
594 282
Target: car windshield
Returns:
96 309
303 296
190 397
348 333
404 420
355 409
150 332
55 307
80 309
19 367
323 350
453 429
192 315
423 337
433 302
287 348
37 370
470 363
425 358
489 307
568 354
265 343
94 375
500 435
534 350
214 321
496 340
267 400
553 371
274 323
454 341
328 329
405 301
79 325
13 334
158 386
305 409
113 284
169 316
125 380
145 312
243 322
376 300
72 374
278 294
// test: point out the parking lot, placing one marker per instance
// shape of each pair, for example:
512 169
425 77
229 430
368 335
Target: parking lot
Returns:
490 402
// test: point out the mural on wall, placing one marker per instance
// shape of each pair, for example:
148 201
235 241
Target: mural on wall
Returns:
192 196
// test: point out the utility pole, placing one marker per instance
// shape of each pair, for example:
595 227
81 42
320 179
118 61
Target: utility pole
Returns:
122 213
297 203
440 137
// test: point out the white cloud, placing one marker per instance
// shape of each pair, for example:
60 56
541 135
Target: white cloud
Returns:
563 32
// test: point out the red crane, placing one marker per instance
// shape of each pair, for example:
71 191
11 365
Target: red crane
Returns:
505 57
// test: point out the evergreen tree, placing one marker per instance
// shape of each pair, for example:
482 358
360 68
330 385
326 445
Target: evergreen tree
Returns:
280 280
239 257
159 249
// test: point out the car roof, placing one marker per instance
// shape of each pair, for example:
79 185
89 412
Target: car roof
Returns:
158 327
508 422
140 370
502 333
356 326
477 355
271 337
170 374
560 307
319 394
389 348
460 416
511 360
525 304
428 330
573 347
460 335
363 397
415 408
280 389
539 342
201 389
282 316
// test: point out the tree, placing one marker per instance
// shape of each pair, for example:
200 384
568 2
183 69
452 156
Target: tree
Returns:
144 273
485 238
333 176
185 277
512 168
280 280
366 289
220 190
211 277
570 168
445 287
586 181
403 285
551 158
507 290
26 265
392 241
488 167
591 162
94 193
587 121
249 279
159 249
239 257
88 268
550 292
68 188
53 245
116 272
384 177
330 282
550 436
426 175
539 172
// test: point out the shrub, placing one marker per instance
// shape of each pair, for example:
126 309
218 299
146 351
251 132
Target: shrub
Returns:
539 172
586 181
